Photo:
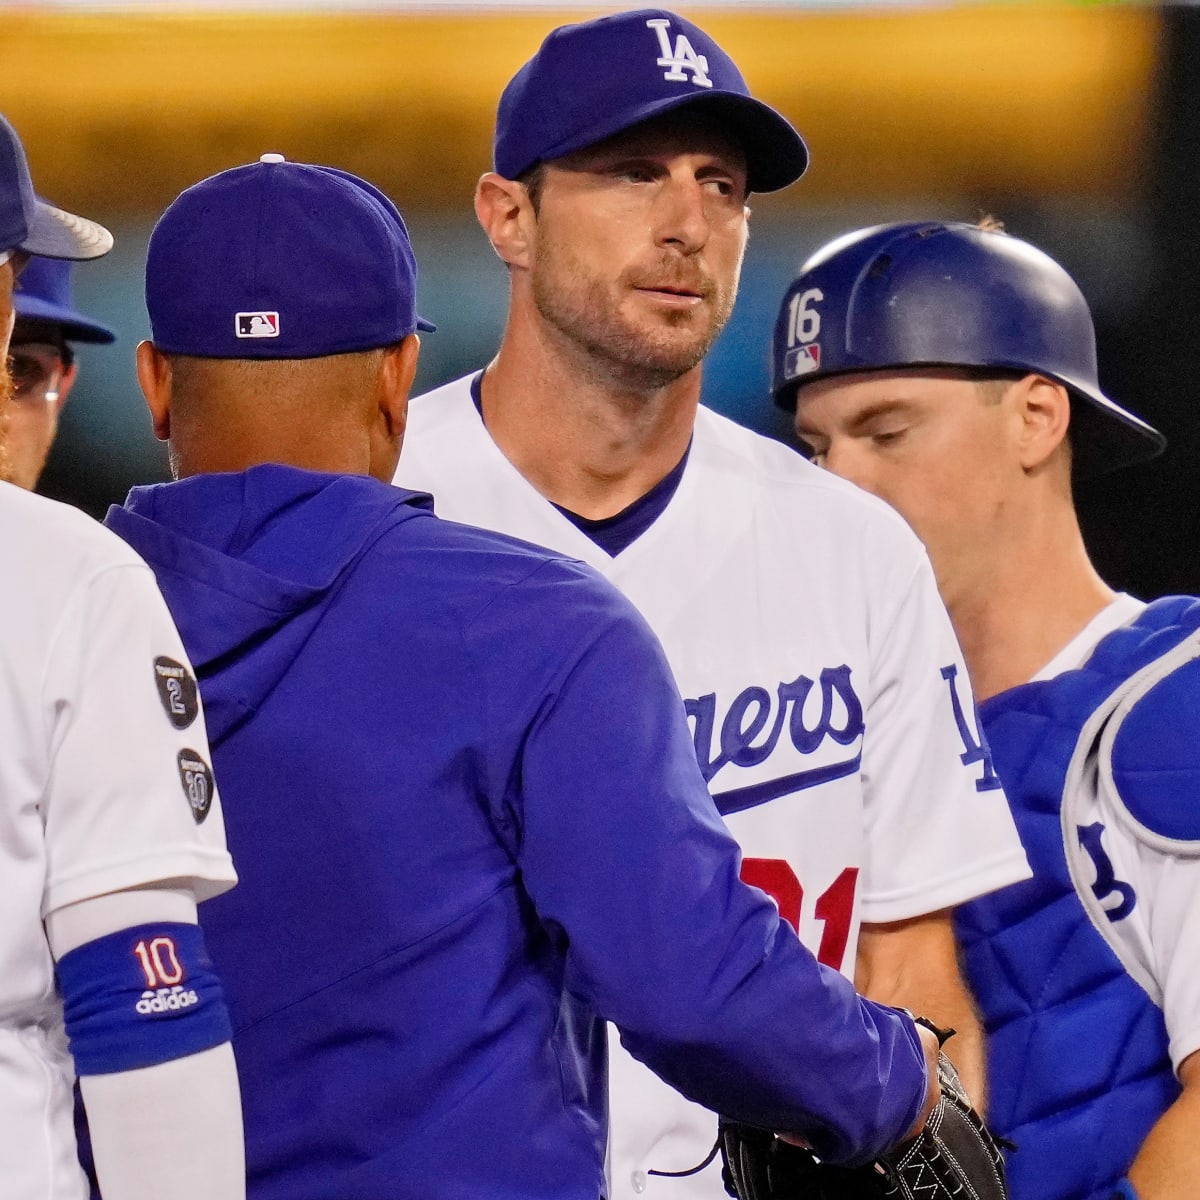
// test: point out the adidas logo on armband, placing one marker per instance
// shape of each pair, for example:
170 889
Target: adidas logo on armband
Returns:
166 1000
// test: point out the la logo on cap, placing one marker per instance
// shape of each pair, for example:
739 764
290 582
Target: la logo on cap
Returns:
682 58
256 324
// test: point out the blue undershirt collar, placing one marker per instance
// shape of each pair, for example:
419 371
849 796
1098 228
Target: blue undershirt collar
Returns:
616 533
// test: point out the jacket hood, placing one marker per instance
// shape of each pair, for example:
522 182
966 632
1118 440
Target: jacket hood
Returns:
246 562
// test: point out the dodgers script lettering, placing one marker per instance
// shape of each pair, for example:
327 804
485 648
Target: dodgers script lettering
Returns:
754 722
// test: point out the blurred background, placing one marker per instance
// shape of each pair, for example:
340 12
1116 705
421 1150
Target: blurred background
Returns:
1076 125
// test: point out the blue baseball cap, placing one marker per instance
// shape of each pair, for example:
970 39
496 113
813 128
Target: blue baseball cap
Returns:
595 79
32 225
43 293
280 260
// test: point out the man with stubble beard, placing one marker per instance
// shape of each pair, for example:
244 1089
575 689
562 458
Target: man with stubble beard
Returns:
825 691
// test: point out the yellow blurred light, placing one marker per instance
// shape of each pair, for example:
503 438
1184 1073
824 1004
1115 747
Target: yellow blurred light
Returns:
120 111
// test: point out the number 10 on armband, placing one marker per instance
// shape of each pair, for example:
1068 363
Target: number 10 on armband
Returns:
159 961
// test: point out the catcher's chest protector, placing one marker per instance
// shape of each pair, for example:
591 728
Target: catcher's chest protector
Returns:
1078 1064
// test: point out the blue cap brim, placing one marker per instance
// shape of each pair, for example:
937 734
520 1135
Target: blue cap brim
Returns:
426 326
74 325
776 155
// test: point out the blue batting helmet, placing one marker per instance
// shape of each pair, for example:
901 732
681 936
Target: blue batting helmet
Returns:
927 293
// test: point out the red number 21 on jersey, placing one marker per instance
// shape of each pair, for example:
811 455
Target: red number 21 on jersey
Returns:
835 906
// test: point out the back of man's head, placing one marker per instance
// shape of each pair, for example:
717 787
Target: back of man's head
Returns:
273 289
280 260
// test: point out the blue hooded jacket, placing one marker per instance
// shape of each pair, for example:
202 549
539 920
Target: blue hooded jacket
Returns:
469 824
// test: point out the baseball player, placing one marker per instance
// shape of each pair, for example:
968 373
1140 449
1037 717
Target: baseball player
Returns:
42 362
828 705
110 831
951 369
460 791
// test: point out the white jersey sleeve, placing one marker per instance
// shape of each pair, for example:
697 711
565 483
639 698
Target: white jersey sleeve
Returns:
132 799
939 830
1173 883
105 785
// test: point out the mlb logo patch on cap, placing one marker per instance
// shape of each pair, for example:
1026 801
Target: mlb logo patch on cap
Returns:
257 324
329 249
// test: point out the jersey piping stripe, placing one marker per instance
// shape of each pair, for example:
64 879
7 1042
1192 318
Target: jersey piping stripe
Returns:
740 799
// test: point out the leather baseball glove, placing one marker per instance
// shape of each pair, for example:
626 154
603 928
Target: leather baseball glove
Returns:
955 1155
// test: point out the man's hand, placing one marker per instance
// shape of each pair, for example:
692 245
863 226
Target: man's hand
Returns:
931 1044
949 1154
933 1092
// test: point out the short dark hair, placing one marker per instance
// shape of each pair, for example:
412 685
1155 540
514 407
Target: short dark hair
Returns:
37 329
533 181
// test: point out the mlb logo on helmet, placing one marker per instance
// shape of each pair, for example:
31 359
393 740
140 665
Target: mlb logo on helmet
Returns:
803 360
257 324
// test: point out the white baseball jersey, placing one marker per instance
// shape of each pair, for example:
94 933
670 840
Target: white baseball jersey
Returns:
104 786
824 688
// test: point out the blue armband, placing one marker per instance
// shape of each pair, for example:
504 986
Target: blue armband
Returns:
1124 1191
141 996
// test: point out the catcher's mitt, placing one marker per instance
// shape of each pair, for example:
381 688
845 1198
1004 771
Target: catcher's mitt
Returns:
955 1155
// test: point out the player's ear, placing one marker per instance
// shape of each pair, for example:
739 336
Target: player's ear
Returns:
1045 410
506 214
154 378
65 383
397 369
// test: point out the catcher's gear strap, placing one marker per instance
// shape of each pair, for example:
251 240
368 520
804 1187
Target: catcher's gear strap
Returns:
1139 797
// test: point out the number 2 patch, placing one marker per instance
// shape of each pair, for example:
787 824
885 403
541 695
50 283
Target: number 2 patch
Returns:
177 691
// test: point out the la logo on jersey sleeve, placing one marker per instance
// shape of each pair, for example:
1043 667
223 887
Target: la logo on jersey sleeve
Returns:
975 747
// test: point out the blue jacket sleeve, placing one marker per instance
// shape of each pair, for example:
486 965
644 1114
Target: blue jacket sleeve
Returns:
626 859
